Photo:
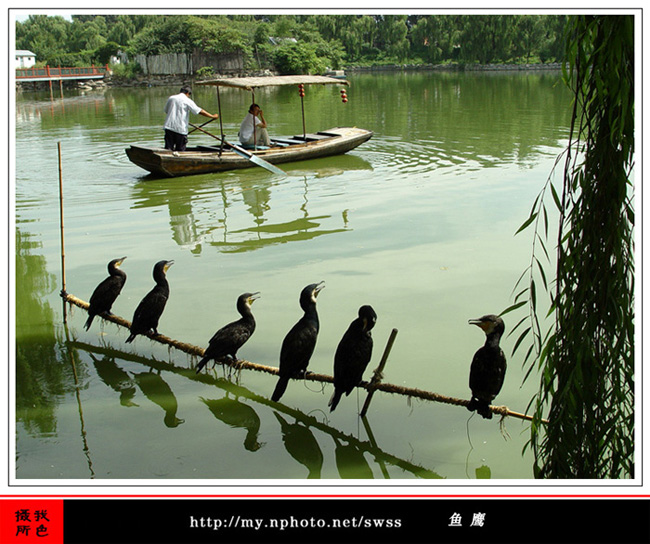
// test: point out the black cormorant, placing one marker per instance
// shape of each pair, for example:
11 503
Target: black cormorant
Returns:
228 339
148 312
353 354
107 291
299 343
488 366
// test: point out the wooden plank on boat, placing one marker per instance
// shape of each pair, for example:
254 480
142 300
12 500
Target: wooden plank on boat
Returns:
313 137
288 141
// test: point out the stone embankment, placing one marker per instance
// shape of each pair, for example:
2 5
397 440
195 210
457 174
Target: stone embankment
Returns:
456 67
175 80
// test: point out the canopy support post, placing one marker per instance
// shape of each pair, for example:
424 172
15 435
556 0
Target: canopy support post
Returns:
302 105
220 122
254 127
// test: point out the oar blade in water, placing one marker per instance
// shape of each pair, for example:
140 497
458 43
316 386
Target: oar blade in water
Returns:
257 160
253 158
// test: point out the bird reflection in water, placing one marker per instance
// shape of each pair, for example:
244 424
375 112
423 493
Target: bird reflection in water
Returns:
237 415
116 378
301 444
351 462
158 391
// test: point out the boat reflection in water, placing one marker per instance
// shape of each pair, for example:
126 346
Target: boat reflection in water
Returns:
195 222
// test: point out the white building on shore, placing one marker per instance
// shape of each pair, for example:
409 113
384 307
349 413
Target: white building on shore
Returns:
24 59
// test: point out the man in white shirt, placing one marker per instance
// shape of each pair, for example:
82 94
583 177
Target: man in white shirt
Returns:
178 108
252 131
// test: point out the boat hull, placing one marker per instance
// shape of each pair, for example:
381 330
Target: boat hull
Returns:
207 159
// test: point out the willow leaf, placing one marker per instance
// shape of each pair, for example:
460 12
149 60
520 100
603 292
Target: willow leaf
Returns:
527 223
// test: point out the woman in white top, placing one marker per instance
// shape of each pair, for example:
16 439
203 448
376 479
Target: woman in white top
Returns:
252 131
178 108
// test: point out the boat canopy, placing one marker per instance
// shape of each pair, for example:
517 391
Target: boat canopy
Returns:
251 83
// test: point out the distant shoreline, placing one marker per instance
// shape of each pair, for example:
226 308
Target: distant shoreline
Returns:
179 79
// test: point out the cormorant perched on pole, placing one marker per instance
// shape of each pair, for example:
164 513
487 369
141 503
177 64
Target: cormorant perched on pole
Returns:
229 338
104 295
353 355
299 343
148 312
488 368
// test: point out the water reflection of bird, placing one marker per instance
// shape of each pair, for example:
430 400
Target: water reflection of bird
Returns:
350 461
148 312
104 295
488 368
116 378
228 339
299 343
238 415
158 391
301 444
353 354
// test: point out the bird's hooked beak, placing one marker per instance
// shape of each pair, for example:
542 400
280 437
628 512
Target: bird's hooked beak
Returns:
120 261
484 324
168 265
253 297
369 323
319 287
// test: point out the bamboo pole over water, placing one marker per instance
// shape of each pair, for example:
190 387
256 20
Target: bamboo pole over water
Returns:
378 374
61 228
322 378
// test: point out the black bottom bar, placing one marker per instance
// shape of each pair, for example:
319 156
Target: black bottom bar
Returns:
503 521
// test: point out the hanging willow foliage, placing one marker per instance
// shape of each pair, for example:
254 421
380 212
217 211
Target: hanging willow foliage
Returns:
585 358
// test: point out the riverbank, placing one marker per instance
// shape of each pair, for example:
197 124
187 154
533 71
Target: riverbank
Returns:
165 80
456 67
175 80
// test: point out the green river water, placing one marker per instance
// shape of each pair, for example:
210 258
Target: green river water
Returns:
419 222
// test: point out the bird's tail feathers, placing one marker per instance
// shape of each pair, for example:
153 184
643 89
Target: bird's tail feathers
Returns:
89 322
201 364
130 338
334 400
280 388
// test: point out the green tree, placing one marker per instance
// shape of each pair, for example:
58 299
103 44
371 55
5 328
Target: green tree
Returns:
552 44
434 37
87 35
104 53
486 38
46 37
356 34
392 35
527 35
334 39
298 58
586 358
121 31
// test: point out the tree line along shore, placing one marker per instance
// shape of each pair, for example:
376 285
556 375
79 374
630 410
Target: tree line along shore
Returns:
292 44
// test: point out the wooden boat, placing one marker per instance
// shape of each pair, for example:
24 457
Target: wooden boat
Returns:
225 156
206 159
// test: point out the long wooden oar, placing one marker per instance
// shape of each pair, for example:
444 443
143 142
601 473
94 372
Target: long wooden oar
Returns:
242 152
